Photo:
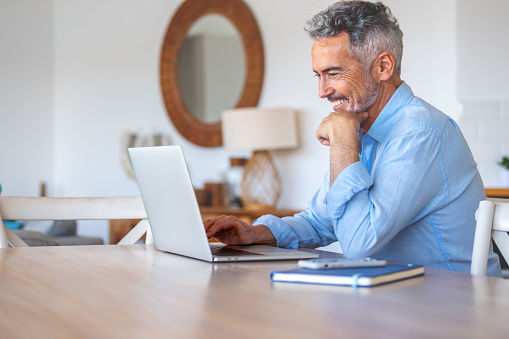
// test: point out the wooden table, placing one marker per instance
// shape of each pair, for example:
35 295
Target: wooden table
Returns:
136 291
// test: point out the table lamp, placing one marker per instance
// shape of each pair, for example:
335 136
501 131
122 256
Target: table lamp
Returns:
259 130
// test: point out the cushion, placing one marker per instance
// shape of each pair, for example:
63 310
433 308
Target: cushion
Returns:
52 228
63 228
33 238
78 240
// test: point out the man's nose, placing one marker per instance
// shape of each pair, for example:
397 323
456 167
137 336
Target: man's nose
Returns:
324 90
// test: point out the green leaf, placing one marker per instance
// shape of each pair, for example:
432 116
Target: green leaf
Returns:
505 162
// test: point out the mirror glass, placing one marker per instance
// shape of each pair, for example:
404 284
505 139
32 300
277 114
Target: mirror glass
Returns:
211 67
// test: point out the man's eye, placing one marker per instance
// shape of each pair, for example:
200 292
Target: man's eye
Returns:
317 75
333 75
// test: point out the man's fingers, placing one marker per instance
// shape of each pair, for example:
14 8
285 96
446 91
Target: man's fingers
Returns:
228 233
209 222
217 227
213 226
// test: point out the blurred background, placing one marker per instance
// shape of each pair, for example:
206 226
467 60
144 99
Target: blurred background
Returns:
77 76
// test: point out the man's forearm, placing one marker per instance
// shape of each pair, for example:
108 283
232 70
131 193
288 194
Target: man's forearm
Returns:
344 148
341 157
263 236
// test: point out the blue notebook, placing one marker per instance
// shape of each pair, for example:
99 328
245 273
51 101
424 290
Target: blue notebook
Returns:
360 276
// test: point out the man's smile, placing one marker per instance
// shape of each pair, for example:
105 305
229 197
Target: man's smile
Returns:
336 103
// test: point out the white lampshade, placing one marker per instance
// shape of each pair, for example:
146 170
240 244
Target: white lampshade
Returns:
259 129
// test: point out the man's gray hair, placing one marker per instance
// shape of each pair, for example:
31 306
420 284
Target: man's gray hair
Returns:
371 27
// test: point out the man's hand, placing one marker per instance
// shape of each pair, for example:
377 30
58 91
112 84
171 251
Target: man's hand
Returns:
341 127
339 131
232 231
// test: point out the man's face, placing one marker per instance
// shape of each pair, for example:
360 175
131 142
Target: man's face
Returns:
340 75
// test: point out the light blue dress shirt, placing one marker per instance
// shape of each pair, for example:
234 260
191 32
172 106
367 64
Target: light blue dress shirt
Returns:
411 198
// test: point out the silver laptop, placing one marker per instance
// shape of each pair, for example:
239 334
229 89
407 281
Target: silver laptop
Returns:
174 215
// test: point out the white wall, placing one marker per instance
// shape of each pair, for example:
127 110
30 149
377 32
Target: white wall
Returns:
106 55
26 96
483 49
483 89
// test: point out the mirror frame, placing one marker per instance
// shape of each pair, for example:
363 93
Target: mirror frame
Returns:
237 12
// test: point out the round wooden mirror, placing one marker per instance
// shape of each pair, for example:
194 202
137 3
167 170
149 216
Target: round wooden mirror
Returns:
193 129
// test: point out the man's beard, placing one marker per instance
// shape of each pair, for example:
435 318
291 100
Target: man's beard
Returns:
366 101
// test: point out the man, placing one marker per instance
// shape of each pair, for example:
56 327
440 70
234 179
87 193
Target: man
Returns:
411 193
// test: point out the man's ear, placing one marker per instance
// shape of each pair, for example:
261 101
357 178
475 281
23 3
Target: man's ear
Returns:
383 67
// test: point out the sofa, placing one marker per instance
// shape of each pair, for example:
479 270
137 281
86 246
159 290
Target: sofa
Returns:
53 233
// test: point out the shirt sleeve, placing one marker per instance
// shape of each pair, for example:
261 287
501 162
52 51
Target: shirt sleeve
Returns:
311 228
407 175
362 211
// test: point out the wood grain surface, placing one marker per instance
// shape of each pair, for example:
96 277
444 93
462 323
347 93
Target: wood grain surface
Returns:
135 291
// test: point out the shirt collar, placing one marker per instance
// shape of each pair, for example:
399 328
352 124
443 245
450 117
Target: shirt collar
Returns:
389 114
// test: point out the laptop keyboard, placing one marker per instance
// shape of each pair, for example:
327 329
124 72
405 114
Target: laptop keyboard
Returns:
225 251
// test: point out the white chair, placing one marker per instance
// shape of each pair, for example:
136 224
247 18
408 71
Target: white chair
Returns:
492 222
44 208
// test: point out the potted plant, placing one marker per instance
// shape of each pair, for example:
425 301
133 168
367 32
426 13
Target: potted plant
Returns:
504 173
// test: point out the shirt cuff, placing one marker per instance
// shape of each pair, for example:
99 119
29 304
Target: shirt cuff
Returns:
280 229
349 182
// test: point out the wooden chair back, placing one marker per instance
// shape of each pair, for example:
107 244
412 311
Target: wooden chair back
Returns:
492 223
94 208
